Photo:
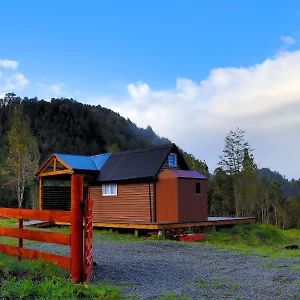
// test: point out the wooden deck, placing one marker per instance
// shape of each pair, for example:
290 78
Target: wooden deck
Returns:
212 221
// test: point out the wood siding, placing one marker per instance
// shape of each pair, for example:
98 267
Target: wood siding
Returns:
132 204
192 206
177 201
167 198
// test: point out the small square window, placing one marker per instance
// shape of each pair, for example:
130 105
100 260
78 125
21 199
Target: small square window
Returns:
198 188
109 189
172 160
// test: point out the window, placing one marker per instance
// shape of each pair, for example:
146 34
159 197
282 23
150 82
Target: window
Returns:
198 188
109 189
172 160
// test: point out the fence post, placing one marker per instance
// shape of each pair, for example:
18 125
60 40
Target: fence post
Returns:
20 239
76 228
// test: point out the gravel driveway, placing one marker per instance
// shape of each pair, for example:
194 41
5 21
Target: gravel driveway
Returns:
149 269
153 268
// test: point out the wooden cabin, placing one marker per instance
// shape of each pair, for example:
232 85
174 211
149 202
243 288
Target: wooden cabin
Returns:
151 185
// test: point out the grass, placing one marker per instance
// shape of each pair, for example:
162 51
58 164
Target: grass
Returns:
256 239
37 280
172 296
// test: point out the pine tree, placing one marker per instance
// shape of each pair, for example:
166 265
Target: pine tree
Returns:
233 154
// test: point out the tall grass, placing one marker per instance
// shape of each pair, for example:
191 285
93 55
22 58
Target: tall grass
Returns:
258 239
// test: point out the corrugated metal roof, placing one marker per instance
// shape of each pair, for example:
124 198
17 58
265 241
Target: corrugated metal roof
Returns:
101 159
187 174
78 162
137 164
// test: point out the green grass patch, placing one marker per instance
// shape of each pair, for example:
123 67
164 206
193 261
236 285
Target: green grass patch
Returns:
118 236
199 283
28 279
295 268
256 239
270 265
172 296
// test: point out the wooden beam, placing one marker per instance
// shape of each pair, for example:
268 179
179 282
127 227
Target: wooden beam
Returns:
53 158
64 163
41 193
62 261
34 214
158 226
126 225
45 165
36 235
56 173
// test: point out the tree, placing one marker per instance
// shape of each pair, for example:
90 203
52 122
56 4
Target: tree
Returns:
233 153
23 155
196 164
220 194
236 154
248 178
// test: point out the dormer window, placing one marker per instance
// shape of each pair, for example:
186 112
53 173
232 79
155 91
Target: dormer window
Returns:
172 160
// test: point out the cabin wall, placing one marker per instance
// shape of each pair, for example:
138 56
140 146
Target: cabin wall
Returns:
167 198
192 207
132 204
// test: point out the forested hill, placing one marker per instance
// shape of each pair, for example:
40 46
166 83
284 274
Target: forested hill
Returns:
64 125
290 188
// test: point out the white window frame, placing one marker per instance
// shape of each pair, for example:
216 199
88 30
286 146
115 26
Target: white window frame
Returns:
109 189
175 160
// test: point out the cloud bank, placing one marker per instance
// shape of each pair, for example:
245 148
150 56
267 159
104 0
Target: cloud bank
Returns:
263 99
10 79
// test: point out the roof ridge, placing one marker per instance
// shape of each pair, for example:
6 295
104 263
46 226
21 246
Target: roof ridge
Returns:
71 154
94 162
144 150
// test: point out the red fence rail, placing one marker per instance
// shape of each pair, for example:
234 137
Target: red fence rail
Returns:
35 235
80 262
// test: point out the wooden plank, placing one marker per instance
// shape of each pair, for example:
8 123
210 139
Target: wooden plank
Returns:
35 235
127 225
41 193
62 261
36 214
52 173
175 225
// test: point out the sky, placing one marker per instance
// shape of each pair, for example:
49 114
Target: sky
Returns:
192 70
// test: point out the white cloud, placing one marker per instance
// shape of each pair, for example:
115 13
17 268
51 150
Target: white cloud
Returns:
263 99
10 79
56 89
288 40
8 64
47 90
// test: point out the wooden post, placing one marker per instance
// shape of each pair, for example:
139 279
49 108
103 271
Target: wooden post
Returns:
76 228
20 239
41 193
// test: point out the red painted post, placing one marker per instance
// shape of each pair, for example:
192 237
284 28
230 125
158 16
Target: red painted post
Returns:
20 239
76 228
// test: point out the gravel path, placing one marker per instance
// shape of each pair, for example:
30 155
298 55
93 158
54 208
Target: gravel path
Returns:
149 269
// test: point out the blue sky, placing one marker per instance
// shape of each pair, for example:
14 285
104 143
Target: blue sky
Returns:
128 55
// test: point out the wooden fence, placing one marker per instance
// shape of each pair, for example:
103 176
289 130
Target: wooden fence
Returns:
35 235
75 262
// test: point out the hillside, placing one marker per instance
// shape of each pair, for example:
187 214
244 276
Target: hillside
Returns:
289 187
64 125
